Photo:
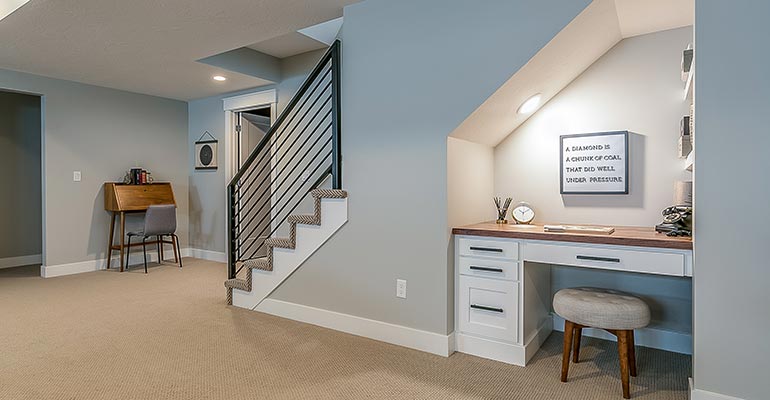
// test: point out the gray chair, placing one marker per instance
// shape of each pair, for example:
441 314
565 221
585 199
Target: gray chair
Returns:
159 221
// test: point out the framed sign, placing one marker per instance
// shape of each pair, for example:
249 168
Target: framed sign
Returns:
594 163
206 152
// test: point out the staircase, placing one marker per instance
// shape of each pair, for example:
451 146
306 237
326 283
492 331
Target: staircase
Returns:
297 165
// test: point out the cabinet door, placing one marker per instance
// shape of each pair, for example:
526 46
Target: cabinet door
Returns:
489 308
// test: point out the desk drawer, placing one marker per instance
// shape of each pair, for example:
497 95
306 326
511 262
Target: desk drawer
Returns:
489 268
482 247
489 308
607 258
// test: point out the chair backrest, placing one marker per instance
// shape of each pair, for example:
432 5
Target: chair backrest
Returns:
160 220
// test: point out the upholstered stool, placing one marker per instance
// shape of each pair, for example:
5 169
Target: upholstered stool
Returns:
616 312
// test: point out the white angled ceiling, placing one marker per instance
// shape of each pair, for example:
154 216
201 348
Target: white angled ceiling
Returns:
149 46
600 26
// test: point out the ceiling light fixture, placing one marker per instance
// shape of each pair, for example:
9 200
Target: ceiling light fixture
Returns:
530 104
219 78
7 7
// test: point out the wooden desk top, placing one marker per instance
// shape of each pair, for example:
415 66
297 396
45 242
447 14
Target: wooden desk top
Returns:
623 235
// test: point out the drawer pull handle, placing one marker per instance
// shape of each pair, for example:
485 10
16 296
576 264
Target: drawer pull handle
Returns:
593 258
487 308
489 249
486 269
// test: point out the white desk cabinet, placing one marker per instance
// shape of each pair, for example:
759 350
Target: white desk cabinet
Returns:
502 309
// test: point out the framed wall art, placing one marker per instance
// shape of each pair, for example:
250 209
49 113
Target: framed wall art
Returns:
594 163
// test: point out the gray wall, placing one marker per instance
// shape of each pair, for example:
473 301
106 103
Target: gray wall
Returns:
411 72
101 132
732 95
21 209
207 188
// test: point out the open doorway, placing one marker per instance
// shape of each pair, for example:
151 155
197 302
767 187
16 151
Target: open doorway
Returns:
21 208
251 127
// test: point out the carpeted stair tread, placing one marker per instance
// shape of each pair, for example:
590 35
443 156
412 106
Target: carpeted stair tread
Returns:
237 283
284 243
259 263
329 194
305 219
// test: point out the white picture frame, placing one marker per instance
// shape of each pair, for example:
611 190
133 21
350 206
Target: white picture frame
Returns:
594 163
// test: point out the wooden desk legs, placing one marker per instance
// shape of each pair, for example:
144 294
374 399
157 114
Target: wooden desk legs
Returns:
122 238
112 237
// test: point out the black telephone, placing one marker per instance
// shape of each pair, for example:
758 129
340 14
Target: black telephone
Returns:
677 221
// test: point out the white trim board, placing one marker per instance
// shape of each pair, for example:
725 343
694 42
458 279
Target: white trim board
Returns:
677 342
51 271
20 261
385 332
697 394
262 97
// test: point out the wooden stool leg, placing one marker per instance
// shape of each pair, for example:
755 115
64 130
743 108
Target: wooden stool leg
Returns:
631 353
568 329
576 343
623 355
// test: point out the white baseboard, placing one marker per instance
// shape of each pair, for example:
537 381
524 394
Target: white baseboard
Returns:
510 353
50 271
697 394
677 342
209 255
390 333
20 261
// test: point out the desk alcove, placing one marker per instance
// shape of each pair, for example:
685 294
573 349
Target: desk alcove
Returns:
503 280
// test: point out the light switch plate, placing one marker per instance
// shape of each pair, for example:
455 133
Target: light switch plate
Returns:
401 288
76 176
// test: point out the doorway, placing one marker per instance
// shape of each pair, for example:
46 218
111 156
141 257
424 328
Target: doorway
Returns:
251 126
21 204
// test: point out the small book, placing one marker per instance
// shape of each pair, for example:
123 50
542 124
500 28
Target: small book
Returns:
579 229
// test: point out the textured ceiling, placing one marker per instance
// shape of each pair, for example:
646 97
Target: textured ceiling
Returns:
149 46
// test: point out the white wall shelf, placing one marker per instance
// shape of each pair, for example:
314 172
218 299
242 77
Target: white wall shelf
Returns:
688 86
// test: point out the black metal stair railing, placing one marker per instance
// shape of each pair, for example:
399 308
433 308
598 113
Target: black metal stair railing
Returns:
300 152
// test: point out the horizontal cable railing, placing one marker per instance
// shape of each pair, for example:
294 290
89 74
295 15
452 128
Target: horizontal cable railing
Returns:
300 152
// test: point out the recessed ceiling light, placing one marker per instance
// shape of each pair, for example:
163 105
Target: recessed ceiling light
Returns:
219 78
530 104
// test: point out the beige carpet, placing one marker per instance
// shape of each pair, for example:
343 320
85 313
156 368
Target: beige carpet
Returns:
168 335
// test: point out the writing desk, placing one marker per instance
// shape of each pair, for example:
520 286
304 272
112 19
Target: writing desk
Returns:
120 199
503 310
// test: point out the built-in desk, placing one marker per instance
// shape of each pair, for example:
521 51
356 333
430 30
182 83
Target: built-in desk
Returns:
503 309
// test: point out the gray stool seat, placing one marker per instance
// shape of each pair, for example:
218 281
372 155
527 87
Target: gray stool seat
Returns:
602 308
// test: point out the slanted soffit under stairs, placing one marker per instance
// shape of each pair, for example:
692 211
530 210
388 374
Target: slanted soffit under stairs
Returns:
599 27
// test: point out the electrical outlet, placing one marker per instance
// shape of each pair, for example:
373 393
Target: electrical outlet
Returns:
76 176
401 288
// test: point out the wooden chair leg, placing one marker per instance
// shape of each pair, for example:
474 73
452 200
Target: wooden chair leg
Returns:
623 355
576 343
631 353
568 329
